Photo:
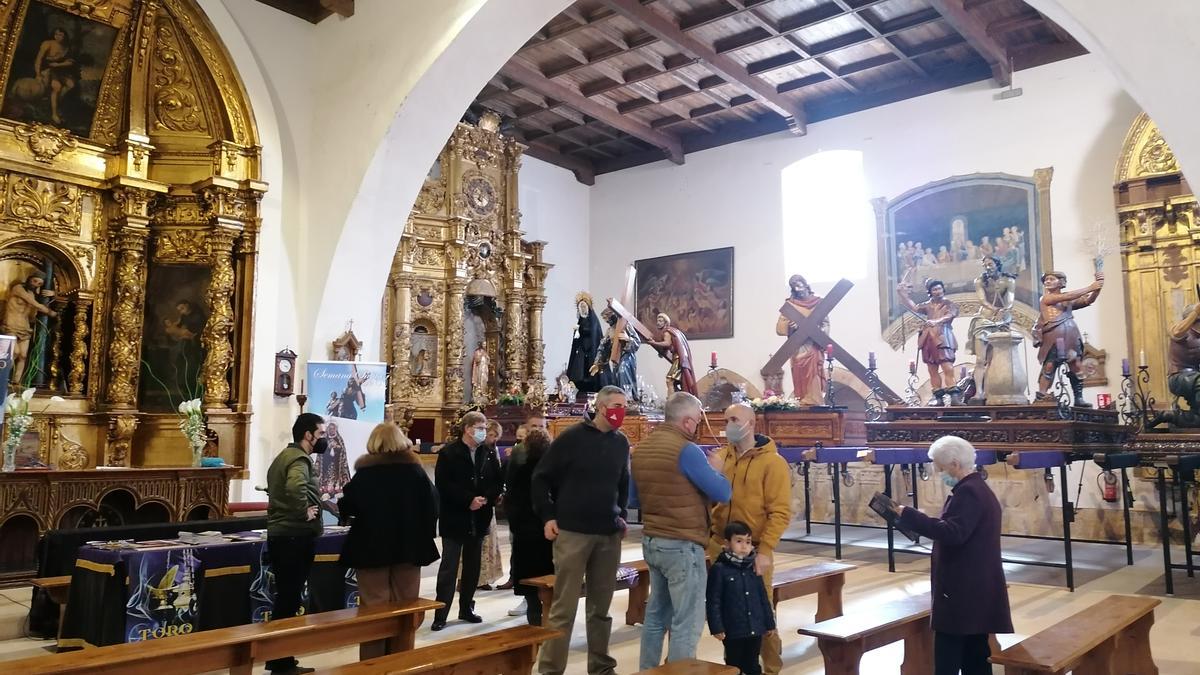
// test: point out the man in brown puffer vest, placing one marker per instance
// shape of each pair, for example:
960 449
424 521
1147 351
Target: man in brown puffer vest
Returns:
676 485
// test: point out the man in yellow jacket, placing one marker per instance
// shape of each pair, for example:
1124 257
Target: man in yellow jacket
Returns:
762 498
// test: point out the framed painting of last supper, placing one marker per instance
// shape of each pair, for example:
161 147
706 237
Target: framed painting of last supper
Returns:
945 229
694 289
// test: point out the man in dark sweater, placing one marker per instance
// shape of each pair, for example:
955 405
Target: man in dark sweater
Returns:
580 490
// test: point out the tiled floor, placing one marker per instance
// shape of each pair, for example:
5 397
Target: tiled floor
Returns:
1038 596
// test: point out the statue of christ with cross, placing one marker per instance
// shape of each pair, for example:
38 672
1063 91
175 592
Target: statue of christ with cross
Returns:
808 367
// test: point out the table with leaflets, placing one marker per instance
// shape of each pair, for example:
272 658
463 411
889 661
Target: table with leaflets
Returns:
123 591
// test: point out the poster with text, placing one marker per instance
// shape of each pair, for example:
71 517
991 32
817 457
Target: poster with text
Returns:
351 390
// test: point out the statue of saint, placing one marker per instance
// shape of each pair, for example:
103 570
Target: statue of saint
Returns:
996 291
1183 362
1056 335
936 341
616 357
479 374
20 311
584 345
681 376
808 364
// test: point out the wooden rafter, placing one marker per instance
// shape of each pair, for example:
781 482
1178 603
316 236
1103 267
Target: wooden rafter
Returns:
538 82
670 33
585 171
975 33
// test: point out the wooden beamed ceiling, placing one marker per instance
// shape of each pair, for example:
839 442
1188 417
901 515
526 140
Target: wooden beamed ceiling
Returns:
313 11
611 84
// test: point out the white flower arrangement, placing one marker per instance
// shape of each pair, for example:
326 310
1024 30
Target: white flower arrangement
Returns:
17 421
775 403
191 423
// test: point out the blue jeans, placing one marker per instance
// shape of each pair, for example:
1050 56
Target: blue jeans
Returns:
678 581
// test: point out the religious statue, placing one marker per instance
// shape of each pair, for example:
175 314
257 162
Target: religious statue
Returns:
353 397
936 341
1183 360
584 345
479 374
333 467
20 311
996 291
1056 335
616 357
808 366
674 346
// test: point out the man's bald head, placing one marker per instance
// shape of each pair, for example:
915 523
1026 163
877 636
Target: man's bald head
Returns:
739 413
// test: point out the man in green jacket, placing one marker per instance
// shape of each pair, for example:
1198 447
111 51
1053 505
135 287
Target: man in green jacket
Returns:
293 524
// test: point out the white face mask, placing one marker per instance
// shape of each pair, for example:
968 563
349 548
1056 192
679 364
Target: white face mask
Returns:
736 433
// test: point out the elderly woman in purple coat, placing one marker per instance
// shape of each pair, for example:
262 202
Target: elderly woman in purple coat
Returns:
970 597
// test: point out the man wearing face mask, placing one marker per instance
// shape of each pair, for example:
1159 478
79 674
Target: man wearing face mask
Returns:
762 498
469 483
580 489
970 596
676 485
293 525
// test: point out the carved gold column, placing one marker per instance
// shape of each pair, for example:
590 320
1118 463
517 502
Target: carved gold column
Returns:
79 347
513 336
129 288
536 350
454 341
218 350
401 332
55 351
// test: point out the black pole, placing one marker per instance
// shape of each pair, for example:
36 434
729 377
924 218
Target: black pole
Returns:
1164 530
1126 499
807 502
1067 516
887 490
1185 521
916 497
837 513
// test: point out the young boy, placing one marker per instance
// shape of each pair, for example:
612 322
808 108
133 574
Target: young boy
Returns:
739 611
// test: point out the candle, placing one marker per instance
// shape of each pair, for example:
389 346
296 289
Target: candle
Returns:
912 367
829 351
301 385
1142 359
714 359
1060 346
871 360
1125 367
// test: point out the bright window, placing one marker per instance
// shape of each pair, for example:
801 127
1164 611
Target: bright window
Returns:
826 217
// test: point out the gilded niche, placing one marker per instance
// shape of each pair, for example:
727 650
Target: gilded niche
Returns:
176 97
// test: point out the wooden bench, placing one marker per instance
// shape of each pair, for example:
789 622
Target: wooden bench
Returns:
59 589
1110 637
511 651
845 639
824 579
238 648
691 667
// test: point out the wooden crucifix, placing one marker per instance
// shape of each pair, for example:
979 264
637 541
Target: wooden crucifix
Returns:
809 328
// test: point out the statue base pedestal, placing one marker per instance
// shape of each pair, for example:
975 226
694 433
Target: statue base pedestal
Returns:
1003 381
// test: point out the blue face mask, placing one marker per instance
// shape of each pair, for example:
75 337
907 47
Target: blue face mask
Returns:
949 480
480 435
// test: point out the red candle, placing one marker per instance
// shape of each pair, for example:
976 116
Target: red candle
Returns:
829 350
714 359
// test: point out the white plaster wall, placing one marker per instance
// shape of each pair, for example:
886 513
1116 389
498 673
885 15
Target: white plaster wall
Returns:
1073 117
555 208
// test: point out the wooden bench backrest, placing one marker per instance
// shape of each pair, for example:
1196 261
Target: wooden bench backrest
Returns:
450 653
48 583
189 653
854 626
1056 647
691 667
808 572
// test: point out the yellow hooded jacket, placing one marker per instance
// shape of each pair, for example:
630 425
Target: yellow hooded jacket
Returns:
762 495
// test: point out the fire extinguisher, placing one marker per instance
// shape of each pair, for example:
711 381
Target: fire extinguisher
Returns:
1107 482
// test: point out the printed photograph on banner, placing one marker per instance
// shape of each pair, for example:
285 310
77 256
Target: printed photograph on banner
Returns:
351 390
347 440
162 599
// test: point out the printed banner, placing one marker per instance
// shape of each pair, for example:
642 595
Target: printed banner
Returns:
351 390
162 595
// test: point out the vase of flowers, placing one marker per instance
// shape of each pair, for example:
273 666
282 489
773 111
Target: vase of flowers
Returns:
191 423
774 403
17 421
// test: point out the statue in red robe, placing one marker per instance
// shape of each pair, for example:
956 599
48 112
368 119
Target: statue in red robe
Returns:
674 346
808 364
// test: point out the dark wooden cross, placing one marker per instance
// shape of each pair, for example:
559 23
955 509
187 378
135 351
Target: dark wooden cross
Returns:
639 327
809 328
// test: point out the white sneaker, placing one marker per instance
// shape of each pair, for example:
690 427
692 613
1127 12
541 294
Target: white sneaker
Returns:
520 609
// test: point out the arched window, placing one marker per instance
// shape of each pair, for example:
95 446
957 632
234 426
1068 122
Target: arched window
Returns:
826 217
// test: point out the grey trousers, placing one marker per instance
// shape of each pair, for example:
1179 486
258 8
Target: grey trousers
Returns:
580 557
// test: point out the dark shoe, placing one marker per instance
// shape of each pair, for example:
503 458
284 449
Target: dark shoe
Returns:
1077 389
938 399
956 397
437 624
470 617
294 670
506 586
484 587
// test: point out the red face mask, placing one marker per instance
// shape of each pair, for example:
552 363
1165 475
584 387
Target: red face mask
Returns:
615 416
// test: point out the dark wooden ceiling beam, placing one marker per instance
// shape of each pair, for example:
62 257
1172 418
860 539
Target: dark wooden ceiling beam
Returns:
538 82
343 8
1030 19
670 32
797 46
975 33
584 170
885 39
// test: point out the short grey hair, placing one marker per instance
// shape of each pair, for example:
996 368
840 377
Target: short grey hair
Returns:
608 391
947 449
680 405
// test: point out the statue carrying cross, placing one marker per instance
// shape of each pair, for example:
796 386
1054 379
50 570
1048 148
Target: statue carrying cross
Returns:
668 341
804 320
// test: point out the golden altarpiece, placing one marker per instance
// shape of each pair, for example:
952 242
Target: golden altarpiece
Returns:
462 277
129 167
1160 229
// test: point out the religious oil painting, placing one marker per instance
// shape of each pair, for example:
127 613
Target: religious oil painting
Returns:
57 68
173 352
694 289
945 229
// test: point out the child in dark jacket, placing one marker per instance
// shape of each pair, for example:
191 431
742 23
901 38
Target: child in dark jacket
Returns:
739 611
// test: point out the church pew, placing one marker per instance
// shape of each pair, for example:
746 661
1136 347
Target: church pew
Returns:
1111 637
824 579
58 588
238 648
691 667
545 589
511 651
843 640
